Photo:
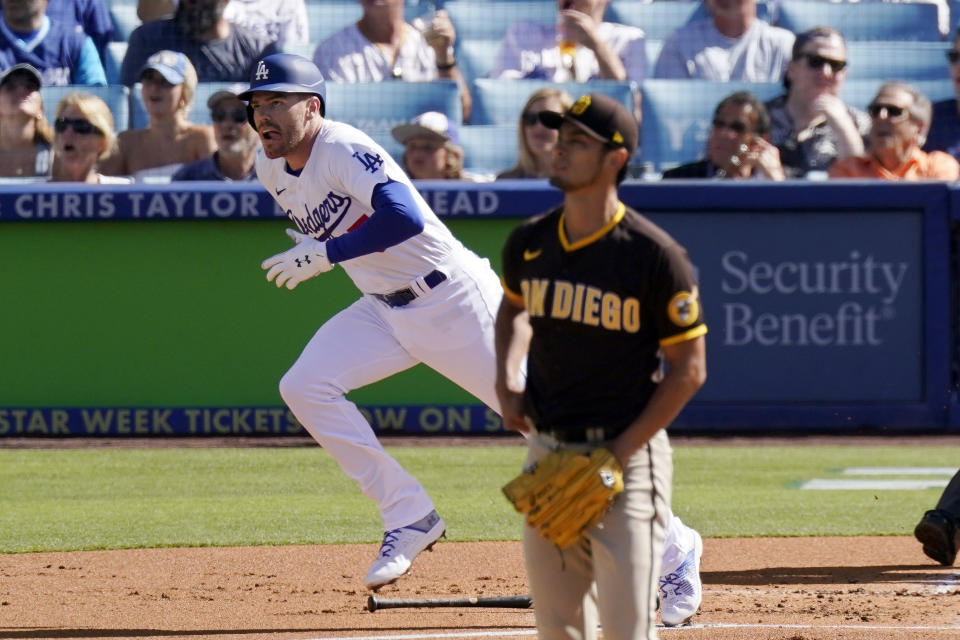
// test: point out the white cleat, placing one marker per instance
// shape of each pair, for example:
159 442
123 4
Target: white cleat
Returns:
681 591
401 546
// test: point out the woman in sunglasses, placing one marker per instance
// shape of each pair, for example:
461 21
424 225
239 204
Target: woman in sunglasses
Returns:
168 82
809 124
83 136
25 135
535 142
237 142
899 121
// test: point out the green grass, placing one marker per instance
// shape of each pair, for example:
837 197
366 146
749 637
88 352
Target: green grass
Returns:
128 498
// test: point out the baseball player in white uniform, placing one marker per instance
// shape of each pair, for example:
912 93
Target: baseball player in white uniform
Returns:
426 298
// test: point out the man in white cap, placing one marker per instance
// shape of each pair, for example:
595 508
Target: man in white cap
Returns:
432 149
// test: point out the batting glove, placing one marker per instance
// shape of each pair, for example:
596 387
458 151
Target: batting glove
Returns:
306 259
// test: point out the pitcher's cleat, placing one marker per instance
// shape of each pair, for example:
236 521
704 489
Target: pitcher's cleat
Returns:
681 591
939 535
401 546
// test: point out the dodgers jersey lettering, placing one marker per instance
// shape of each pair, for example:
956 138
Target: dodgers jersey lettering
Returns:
331 196
621 293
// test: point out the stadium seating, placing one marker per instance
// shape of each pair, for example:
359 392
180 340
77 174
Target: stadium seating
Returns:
386 104
499 102
657 19
858 93
901 60
125 19
677 115
489 148
116 96
863 20
113 59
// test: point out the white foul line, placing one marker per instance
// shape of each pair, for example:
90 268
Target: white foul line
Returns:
899 471
851 484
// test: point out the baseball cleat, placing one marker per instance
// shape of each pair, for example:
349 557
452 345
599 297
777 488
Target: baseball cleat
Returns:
401 546
681 591
939 535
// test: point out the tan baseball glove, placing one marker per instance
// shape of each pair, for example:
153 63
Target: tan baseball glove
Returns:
567 493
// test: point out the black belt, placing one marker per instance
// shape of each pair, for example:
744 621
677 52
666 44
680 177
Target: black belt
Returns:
582 434
403 297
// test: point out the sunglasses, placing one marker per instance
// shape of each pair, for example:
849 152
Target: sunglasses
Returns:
738 128
893 112
816 62
238 115
953 56
79 125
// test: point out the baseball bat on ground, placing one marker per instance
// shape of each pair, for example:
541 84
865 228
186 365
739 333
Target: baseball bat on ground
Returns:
505 602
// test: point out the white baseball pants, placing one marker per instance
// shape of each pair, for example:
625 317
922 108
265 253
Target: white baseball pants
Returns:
450 329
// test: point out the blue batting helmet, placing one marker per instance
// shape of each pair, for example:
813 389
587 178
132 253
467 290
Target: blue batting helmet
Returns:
286 73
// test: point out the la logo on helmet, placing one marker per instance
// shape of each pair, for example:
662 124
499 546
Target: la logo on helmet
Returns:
262 72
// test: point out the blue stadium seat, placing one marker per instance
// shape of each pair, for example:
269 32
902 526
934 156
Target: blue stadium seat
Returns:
489 148
677 115
490 20
116 96
499 102
897 59
113 58
863 20
859 93
383 105
476 57
657 19
125 19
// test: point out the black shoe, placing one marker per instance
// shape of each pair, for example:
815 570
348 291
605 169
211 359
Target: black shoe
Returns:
939 535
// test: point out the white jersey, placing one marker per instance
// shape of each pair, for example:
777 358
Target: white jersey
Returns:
347 56
331 196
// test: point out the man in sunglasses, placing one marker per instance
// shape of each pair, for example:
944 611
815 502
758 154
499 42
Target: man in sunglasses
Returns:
809 124
237 142
738 147
945 125
900 119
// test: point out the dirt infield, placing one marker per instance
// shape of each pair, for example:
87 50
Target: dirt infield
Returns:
780 588
877 588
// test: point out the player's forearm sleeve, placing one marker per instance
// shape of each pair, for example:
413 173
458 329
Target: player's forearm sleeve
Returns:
396 217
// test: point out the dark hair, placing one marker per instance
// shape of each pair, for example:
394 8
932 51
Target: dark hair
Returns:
805 37
745 98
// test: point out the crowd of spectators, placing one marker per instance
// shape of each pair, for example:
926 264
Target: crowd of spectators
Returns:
806 132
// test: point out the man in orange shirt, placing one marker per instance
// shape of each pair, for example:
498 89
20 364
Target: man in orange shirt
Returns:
900 120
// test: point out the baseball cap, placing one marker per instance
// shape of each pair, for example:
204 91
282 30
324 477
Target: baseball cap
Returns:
601 116
170 64
23 67
431 124
233 91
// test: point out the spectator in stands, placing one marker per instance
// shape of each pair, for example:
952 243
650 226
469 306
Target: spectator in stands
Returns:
382 46
945 127
237 142
55 48
730 44
900 119
220 51
25 135
738 147
92 17
168 83
810 125
432 149
580 47
281 21
535 142
84 135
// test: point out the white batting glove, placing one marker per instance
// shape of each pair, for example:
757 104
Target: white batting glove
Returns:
307 258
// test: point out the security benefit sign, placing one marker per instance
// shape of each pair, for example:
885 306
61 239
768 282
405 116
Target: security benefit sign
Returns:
809 307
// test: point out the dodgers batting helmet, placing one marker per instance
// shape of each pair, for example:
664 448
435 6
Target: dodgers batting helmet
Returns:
285 73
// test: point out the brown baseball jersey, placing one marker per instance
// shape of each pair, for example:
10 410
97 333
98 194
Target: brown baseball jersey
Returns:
600 308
